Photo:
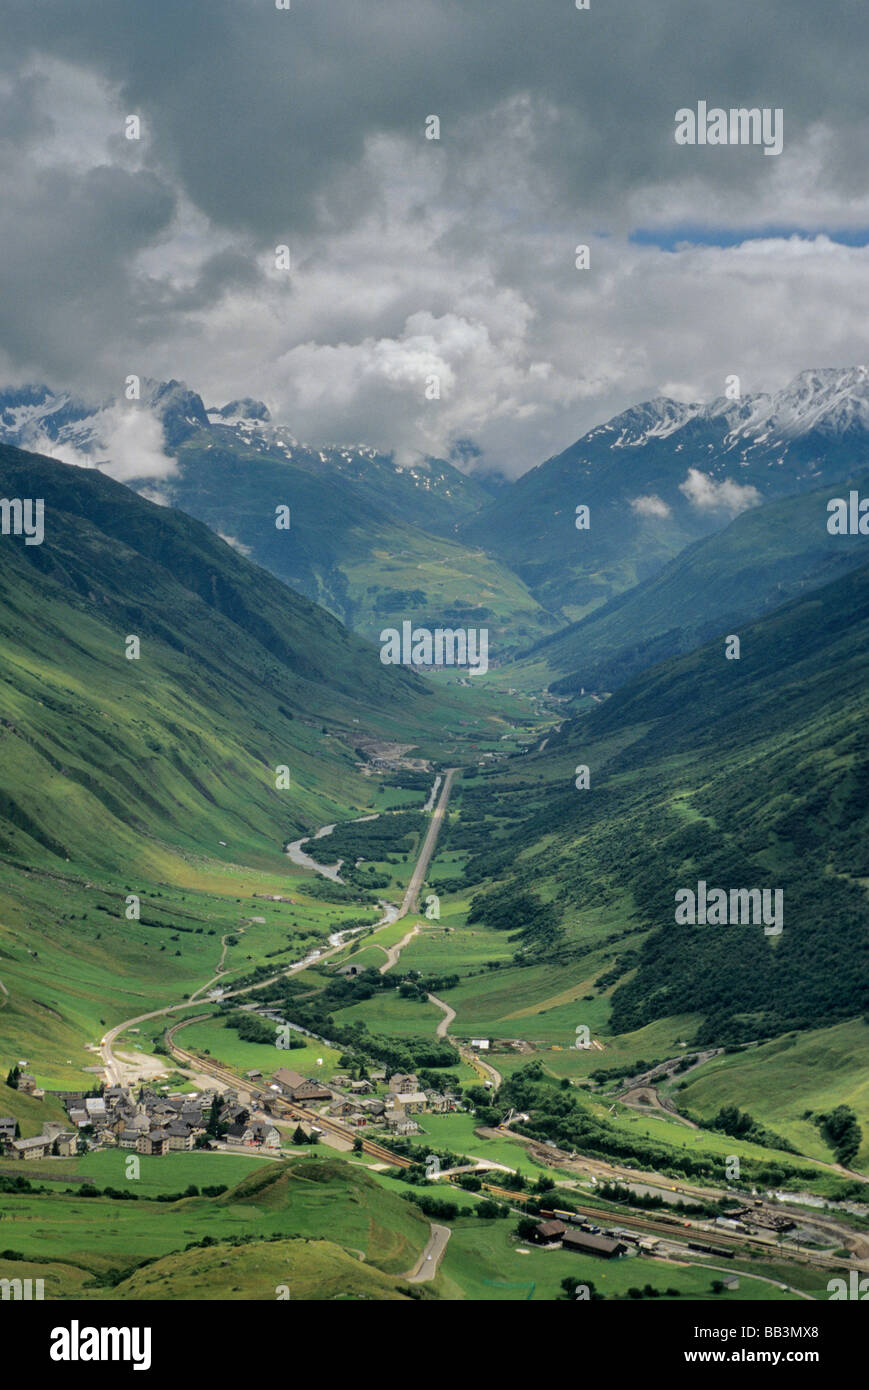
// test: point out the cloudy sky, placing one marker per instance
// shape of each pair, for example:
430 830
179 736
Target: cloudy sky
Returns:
412 258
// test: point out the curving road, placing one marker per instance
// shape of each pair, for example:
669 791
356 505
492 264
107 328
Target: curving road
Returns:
395 951
484 1069
426 1266
114 1069
449 1015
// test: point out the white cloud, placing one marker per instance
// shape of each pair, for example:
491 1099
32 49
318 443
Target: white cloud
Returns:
235 543
650 506
133 443
707 495
409 258
124 441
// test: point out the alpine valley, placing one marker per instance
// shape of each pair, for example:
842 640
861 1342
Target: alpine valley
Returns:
229 830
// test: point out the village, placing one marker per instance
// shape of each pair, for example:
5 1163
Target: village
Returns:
153 1123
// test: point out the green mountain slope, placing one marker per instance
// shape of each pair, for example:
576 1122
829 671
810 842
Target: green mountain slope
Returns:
160 777
237 675
763 558
371 538
749 773
366 539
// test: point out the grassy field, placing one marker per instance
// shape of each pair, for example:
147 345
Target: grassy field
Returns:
174 1172
483 1261
780 1081
227 1047
456 1133
313 1198
443 947
393 1016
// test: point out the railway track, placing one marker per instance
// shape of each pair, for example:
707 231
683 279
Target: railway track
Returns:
674 1231
722 1239
507 1192
727 1243
278 1104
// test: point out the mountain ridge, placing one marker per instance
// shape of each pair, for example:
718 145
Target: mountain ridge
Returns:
662 475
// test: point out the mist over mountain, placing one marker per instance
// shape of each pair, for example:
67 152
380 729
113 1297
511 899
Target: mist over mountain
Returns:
370 536
764 557
664 474
376 538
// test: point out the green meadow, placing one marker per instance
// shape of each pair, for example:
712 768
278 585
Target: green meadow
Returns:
484 1260
308 1198
780 1081
455 1133
225 1046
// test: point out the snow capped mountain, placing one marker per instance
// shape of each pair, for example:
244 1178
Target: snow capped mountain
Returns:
31 416
666 473
653 480
654 419
830 400
236 469
79 431
87 433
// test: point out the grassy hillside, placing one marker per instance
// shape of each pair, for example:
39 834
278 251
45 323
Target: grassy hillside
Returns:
321 1222
748 773
370 541
787 1081
765 557
316 1270
157 777
743 773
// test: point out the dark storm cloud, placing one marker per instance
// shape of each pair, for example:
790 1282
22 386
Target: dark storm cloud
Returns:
410 257
258 111
23 117
68 240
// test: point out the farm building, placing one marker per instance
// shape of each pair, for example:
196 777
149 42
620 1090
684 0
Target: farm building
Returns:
588 1244
297 1087
546 1231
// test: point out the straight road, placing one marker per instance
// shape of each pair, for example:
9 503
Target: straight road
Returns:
410 900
